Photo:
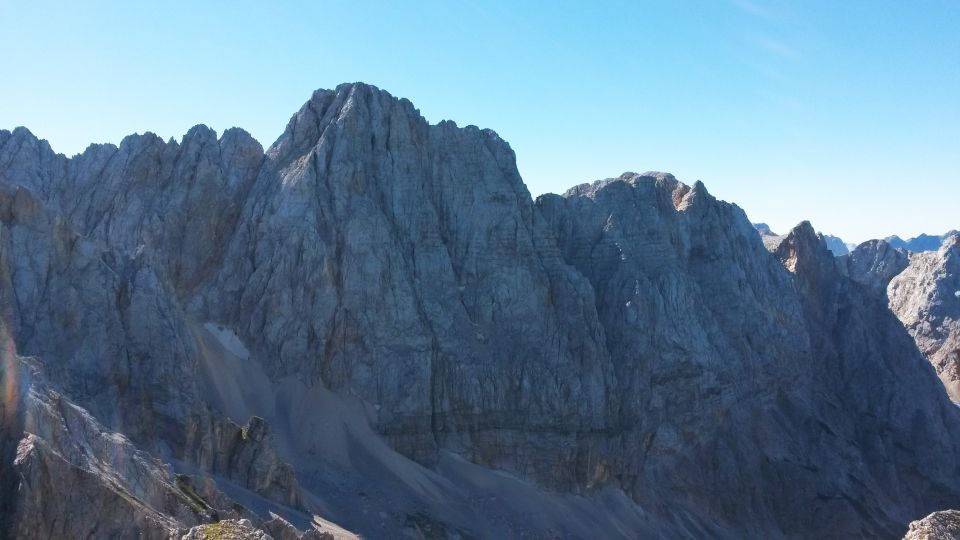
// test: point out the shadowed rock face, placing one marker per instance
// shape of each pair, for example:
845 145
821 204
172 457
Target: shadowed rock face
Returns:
632 335
107 332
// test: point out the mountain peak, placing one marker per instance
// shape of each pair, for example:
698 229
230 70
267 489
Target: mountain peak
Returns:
921 242
357 108
802 249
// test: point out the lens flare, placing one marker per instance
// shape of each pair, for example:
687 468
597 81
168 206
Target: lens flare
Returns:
10 376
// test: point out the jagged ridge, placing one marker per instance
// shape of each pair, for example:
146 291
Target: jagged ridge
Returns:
631 335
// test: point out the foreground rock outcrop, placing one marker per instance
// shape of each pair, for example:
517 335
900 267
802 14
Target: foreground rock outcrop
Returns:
72 478
943 525
438 355
119 392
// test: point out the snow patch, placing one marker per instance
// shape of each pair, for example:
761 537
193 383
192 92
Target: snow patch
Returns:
228 339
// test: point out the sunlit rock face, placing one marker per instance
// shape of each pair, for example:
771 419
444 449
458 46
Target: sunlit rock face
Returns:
926 298
923 290
75 479
406 263
438 355
181 200
943 525
874 263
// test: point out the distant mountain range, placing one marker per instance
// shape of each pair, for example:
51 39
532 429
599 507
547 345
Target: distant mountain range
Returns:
924 242
836 245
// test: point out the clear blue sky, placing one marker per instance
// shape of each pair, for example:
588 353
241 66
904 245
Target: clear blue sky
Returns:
846 112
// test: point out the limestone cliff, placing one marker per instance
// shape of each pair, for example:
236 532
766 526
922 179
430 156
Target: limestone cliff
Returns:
439 355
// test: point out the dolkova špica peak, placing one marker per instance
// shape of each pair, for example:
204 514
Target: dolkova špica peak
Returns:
371 328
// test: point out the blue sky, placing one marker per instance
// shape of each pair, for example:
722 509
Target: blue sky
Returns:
846 113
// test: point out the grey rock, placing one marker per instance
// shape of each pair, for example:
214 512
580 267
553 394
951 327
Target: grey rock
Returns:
406 264
692 302
873 264
282 529
836 245
72 478
943 525
771 239
922 291
227 530
764 229
181 200
924 297
110 335
628 357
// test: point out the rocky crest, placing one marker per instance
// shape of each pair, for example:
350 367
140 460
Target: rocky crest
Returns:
835 244
437 353
874 263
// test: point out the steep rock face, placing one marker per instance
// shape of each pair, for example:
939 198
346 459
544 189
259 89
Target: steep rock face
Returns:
727 363
868 367
770 238
699 320
632 335
72 478
873 264
922 292
405 263
105 326
764 229
835 244
925 298
111 336
245 455
181 200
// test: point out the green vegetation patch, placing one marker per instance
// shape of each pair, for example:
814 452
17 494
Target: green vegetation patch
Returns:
193 499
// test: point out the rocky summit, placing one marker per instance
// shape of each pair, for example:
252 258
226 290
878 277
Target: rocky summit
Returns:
370 328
